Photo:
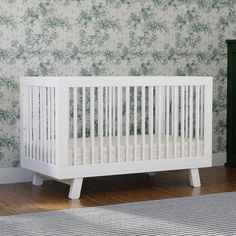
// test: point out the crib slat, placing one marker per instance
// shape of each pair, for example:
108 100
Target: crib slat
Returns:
113 111
110 123
151 120
156 112
100 124
197 120
34 122
122 117
186 113
143 123
172 91
167 110
98 111
37 122
190 120
159 120
29 120
34 128
75 113
45 123
118 122
53 123
41 124
26 122
182 119
135 123
175 117
127 122
84 124
92 122
106 111
30 123
202 112
49 125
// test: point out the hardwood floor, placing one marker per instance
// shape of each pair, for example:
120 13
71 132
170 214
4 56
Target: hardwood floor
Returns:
24 198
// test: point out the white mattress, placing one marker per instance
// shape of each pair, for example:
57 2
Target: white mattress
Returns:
78 159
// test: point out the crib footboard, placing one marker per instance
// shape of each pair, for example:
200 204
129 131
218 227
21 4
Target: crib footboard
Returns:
75 127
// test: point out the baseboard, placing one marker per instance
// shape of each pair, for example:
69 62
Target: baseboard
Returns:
18 175
219 159
15 175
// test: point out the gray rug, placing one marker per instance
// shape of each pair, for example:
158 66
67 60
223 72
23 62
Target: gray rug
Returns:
201 215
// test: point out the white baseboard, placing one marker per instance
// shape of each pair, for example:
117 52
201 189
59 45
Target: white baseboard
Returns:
15 175
219 159
18 175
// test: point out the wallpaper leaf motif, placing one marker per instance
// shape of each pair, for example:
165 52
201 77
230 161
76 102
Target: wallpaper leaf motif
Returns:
111 37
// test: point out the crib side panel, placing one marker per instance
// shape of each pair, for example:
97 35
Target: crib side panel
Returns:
38 123
123 124
93 125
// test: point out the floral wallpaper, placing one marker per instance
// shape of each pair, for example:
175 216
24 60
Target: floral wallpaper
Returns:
111 37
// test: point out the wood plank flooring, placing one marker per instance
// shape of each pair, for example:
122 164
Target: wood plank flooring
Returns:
24 198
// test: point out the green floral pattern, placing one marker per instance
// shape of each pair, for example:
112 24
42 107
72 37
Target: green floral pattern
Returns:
111 37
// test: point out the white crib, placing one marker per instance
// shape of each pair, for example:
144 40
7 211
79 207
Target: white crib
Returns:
76 127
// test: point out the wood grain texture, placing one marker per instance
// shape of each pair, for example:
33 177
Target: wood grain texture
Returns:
52 195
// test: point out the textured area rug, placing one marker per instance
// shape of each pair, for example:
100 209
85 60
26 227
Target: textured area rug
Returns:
201 215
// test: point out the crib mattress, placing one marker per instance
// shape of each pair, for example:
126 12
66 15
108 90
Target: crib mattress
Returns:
165 153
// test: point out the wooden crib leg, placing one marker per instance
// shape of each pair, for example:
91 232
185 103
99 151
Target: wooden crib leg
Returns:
75 188
194 177
37 179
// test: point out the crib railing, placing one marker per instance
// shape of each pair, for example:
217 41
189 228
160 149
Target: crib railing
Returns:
96 120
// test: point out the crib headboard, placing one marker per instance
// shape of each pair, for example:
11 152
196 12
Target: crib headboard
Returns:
56 111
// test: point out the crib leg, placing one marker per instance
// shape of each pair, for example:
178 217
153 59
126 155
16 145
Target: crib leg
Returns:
75 188
37 180
194 177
